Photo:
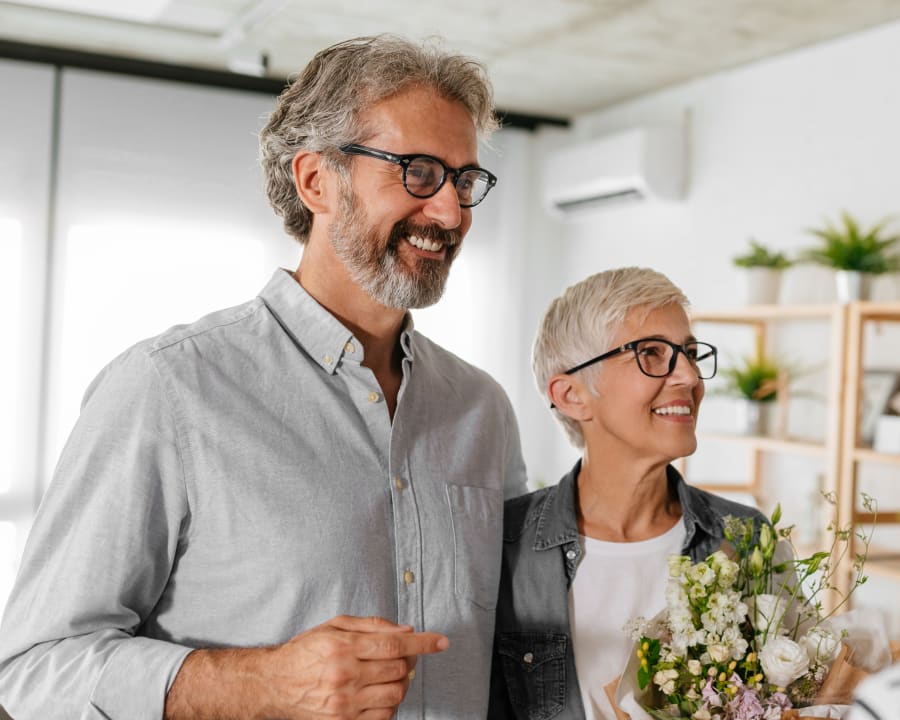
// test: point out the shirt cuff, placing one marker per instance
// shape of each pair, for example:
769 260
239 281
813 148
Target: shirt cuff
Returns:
134 681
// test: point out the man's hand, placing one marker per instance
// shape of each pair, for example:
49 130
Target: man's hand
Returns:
348 667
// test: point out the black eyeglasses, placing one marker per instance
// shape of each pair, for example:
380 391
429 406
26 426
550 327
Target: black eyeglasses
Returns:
424 175
657 357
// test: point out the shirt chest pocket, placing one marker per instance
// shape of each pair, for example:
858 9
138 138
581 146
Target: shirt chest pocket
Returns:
477 515
534 667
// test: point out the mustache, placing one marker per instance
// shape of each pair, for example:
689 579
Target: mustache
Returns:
451 239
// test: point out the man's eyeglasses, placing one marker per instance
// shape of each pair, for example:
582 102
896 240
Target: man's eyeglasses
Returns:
424 175
657 357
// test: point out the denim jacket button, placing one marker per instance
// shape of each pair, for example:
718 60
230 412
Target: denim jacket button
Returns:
570 554
528 658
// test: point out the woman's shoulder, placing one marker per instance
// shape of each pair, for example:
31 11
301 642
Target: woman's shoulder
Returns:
519 513
722 506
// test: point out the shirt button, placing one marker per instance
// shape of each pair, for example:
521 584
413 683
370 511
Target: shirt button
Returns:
328 359
528 658
398 483
408 577
571 554
349 348
374 397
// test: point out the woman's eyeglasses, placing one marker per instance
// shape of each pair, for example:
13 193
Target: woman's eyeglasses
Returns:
657 357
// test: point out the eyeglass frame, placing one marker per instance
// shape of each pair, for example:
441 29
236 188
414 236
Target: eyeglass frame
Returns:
404 162
673 361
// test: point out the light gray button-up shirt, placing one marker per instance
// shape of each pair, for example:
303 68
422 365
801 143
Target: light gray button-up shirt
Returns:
236 481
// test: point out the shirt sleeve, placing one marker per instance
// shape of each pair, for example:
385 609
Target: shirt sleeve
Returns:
515 483
97 561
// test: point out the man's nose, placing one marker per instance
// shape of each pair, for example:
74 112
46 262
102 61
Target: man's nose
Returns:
443 207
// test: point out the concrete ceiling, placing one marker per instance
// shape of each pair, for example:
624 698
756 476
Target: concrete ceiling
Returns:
554 58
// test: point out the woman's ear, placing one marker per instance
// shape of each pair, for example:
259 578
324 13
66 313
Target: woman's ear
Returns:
569 395
310 180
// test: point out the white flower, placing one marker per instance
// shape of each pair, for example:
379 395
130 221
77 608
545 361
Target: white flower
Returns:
766 613
821 645
783 660
678 564
733 638
701 573
665 679
719 652
702 714
696 592
694 667
676 596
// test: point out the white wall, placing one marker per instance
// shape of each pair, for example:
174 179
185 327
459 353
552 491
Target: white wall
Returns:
775 148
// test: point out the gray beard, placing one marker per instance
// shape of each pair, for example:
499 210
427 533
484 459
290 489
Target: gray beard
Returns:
376 266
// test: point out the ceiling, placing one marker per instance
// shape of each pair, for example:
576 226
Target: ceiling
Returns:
549 58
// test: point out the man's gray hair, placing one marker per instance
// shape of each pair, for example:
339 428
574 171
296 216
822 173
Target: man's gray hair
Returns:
581 323
320 110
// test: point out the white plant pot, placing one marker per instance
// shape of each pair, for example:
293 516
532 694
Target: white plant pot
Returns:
762 285
752 417
852 285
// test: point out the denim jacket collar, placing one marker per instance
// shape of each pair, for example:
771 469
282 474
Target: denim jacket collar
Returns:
557 515
558 519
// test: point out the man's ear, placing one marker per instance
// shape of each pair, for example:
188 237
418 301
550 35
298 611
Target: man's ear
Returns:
310 180
569 395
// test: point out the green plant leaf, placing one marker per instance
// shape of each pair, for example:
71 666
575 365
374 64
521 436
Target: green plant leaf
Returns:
849 247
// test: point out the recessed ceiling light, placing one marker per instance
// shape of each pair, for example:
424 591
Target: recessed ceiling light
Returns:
144 11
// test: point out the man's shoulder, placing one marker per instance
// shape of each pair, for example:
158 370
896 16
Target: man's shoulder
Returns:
219 322
449 365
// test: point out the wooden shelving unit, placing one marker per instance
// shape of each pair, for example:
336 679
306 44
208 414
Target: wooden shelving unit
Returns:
853 453
840 449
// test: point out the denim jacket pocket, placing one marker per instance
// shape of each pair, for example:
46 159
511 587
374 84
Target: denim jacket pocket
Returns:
534 667
477 515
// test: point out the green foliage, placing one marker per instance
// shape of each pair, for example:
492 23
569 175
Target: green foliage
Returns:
648 653
760 256
847 246
754 378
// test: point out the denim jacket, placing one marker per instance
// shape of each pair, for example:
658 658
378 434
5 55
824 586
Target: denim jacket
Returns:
533 673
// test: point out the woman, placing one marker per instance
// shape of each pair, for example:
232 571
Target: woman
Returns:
624 376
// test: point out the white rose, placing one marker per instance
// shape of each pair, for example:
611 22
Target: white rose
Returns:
719 652
783 660
766 613
665 679
694 667
821 645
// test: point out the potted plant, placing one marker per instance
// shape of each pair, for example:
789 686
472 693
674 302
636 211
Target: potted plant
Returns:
755 380
855 253
762 272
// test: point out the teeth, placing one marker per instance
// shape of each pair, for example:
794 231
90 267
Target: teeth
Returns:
673 410
425 244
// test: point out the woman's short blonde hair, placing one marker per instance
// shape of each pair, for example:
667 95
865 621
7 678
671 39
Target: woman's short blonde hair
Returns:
581 323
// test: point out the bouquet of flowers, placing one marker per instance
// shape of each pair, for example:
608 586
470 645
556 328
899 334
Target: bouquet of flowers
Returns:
744 635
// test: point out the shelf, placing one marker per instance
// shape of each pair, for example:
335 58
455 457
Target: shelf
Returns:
869 455
878 311
841 456
883 563
753 313
790 445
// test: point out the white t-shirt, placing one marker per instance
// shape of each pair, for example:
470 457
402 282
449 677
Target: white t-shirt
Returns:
615 582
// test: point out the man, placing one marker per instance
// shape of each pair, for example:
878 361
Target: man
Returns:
273 511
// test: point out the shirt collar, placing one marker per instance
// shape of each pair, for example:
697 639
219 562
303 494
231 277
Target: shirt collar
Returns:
313 328
694 507
557 522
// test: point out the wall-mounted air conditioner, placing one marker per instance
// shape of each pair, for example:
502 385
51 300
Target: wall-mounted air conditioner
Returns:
641 163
